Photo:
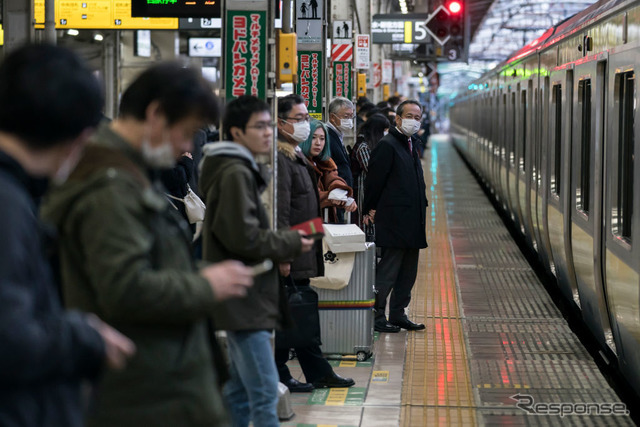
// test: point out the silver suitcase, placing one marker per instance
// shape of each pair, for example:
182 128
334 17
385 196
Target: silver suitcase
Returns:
346 316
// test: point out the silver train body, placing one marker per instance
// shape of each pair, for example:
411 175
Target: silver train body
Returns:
553 132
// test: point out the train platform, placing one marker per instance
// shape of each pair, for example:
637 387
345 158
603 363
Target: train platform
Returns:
496 350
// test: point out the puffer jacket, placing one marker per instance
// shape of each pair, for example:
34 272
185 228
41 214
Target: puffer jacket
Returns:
126 256
298 201
236 226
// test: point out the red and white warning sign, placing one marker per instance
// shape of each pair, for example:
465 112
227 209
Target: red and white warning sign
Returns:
342 52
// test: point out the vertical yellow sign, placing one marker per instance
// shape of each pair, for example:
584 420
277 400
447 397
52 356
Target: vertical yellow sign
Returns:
408 36
362 84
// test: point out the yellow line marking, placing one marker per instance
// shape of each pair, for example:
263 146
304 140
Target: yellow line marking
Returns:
347 363
337 397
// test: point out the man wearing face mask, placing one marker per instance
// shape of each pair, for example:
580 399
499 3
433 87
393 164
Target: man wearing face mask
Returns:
395 199
126 255
341 113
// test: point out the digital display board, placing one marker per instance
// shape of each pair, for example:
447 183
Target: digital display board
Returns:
100 14
177 8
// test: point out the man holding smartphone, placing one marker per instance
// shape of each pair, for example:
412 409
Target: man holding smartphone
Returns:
236 226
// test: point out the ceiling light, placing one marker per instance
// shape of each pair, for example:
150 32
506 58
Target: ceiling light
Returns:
98 37
73 32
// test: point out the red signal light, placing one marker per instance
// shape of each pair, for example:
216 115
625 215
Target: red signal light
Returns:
454 7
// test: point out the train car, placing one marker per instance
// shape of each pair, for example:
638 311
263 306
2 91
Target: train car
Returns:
551 131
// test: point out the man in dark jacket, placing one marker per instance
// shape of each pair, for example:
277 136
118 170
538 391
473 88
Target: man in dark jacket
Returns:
237 227
395 198
126 255
298 201
44 351
341 115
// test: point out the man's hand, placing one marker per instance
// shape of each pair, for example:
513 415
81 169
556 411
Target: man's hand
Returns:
285 269
307 244
228 279
118 348
187 154
369 218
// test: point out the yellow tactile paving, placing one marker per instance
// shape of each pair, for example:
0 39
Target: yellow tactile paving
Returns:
437 387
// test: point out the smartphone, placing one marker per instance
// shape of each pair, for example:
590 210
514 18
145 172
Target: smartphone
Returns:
262 267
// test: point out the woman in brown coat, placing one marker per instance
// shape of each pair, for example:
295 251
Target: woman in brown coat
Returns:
318 153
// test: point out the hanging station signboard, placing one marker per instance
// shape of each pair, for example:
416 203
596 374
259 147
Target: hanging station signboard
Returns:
310 84
246 54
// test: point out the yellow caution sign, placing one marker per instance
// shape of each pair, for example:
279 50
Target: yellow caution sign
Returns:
337 397
362 84
380 377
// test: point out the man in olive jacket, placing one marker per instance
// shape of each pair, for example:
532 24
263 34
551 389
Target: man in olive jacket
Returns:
236 226
126 256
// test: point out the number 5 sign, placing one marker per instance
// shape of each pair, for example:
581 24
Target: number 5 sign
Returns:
362 51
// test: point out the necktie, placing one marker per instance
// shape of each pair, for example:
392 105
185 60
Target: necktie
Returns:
410 146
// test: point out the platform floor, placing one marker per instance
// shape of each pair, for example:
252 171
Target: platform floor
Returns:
492 332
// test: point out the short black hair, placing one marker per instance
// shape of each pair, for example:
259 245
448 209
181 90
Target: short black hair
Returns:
48 96
239 111
364 108
181 93
393 100
362 101
286 104
400 108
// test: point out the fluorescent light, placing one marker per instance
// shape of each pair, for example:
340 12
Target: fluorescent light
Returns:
98 37
73 32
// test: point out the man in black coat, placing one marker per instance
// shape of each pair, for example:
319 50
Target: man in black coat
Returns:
341 115
395 199
49 101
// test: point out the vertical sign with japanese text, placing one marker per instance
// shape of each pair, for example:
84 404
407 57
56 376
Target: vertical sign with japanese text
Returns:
310 85
246 61
342 79
362 51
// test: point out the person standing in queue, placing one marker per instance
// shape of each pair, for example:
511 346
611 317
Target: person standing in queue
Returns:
45 352
298 201
126 255
341 114
395 199
237 227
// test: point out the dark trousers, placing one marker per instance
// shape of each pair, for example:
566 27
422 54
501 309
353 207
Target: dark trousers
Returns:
313 364
397 271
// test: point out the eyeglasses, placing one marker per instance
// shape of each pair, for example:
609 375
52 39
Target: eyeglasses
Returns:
299 119
262 126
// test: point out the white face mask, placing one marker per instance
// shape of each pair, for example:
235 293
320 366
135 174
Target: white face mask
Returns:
65 169
301 131
385 132
346 124
410 126
160 157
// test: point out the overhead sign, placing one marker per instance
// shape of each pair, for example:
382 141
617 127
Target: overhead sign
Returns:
310 86
342 79
309 15
342 30
246 50
205 46
176 8
400 28
362 51
99 14
387 71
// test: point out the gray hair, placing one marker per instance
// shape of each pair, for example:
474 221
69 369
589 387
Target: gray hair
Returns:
339 103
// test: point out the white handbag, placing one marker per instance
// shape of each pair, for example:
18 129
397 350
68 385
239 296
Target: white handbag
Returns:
194 206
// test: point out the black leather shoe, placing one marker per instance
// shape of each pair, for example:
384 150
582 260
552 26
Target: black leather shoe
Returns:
407 324
333 380
296 386
385 327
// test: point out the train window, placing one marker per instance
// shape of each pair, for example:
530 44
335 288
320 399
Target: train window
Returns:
556 172
584 166
623 197
523 108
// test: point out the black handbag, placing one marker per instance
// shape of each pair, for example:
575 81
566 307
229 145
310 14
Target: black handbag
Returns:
304 328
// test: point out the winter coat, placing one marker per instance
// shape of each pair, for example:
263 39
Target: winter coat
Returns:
395 188
340 156
328 180
44 352
126 256
236 226
298 201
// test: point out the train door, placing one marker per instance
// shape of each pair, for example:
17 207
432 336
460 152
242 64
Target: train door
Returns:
587 142
504 133
542 136
512 171
558 206
621 207
523 123
495 147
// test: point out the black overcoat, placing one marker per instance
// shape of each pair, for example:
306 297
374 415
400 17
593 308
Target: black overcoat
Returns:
395 188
